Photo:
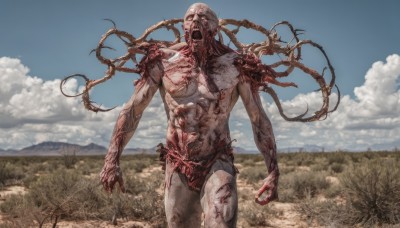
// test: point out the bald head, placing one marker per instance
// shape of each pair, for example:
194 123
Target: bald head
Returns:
199 11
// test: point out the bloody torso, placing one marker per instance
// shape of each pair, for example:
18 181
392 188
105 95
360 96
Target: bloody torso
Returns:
198 101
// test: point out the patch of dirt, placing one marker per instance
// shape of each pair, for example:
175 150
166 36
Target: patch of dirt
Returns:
287 216
303 168
12 190
333 180
102 224
148 171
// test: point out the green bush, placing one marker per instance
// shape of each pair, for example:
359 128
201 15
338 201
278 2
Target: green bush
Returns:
8 173
337 168
373 191
255 215
337 157
67 195
326 213
299 185
253 175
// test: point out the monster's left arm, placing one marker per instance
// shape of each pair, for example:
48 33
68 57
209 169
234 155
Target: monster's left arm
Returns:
264 139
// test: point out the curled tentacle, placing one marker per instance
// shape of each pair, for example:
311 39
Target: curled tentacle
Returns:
108 19
85 93
337 102
69 77
274 96
107 47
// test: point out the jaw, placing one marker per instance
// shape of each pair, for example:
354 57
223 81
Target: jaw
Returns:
197 39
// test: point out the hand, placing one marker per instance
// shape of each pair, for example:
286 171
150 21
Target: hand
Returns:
271 184
110 175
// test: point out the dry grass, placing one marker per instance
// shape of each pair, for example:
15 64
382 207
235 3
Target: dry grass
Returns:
366 190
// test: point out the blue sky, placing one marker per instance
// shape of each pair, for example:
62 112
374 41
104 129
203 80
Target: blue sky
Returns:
53 39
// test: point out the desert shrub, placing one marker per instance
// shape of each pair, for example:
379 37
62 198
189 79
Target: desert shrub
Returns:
326 213
337 168
254 215
333 191
37 168
69 158
248 159
134 185
28 180
11 202
137 162
297 159
253 175
286 169
373 191
337 157
370 155
299 185
5 173
20 212
319 167
144 202
305 159
67 195
9 172
84 168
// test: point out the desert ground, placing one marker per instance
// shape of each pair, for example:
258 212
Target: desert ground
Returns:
331 189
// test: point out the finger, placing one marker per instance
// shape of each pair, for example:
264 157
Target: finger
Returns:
111 184
264 188
104 183
263 202
121 184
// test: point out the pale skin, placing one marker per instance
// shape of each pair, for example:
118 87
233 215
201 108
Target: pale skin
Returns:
199 91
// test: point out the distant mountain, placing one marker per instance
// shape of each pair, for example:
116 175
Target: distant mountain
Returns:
305 148
241 150
62 148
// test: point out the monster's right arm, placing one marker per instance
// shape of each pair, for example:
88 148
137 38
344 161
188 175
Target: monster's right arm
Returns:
127 123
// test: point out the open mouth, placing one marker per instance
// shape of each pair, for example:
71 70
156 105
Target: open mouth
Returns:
196 35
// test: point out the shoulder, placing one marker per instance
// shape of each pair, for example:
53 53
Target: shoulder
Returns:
223 71
228 58
225 64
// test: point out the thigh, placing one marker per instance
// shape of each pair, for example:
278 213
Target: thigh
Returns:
182 205
219 196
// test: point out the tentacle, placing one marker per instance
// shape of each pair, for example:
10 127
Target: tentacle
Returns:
338 101
69 77
85 93
108 19
274 96
167 24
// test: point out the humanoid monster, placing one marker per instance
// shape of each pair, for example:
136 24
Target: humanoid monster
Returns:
200 81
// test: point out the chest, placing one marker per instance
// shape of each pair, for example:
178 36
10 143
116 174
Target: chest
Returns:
182 78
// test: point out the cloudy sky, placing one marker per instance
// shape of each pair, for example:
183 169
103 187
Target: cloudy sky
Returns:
41 42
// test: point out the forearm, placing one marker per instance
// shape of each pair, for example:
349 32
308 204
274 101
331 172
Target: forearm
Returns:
123 131
265 141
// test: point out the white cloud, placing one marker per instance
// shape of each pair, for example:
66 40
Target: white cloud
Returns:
33 110
370 120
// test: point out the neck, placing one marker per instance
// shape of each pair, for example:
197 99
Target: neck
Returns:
203 55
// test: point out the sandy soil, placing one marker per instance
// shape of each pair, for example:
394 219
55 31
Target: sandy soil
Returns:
11 190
